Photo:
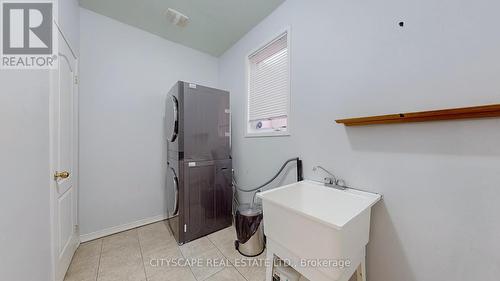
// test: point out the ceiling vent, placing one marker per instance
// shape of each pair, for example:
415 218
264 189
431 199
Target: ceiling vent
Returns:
176 17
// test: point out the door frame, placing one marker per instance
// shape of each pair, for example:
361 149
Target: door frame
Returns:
75 158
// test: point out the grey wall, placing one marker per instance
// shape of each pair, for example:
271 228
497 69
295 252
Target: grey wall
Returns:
125 76
439 217
24 170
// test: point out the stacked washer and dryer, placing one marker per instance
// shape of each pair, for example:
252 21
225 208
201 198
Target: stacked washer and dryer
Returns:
199 178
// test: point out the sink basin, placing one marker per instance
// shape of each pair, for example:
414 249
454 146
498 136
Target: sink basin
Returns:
307 222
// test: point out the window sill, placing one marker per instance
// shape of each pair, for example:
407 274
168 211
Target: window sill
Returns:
267 134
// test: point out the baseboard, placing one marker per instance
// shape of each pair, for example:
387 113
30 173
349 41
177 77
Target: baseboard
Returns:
120 228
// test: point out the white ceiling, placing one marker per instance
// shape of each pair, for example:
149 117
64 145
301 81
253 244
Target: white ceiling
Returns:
214 25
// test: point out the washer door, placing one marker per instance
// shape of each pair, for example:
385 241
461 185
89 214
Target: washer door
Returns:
173 202
174 210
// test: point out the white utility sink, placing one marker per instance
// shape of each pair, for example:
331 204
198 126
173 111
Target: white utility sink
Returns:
309 222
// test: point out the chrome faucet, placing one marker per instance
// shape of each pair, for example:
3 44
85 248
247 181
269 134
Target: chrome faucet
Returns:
331 181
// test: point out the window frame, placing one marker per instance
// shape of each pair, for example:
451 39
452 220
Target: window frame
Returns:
254 134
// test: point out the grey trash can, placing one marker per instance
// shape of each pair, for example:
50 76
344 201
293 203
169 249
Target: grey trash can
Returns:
249 230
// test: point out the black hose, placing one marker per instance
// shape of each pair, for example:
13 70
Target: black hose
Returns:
299 175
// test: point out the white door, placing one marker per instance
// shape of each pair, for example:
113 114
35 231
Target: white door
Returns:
64 159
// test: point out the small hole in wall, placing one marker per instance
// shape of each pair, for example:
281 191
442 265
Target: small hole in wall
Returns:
401 23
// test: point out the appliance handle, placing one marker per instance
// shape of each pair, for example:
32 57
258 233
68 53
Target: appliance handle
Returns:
175 130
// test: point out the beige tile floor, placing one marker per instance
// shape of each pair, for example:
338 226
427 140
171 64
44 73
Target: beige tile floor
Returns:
137 255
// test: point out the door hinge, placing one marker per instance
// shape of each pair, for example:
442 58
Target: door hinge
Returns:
185 228
76 79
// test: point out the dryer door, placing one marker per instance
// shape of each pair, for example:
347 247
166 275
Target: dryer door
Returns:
172 120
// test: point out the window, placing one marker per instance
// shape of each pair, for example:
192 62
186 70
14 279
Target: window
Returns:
268 101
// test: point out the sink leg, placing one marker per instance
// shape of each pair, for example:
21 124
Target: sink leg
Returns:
361 271
270 260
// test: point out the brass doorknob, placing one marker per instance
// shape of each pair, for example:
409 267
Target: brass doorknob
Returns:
61 175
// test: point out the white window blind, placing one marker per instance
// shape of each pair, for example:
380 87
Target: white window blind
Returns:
268 95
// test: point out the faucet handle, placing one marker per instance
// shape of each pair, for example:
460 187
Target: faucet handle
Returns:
329 180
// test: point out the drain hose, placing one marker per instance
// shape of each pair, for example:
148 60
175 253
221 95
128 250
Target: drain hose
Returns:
248 190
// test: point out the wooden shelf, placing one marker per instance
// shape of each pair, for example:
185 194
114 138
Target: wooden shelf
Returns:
426 116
